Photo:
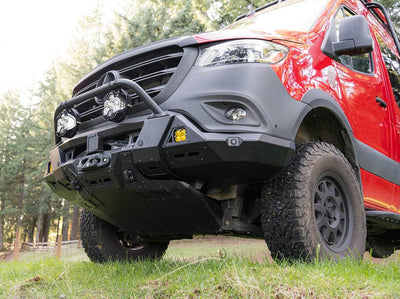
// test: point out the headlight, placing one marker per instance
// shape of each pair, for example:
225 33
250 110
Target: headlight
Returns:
240 51
67 123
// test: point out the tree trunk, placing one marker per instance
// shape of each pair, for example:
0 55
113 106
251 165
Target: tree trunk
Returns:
31 231
58 226
44 237
75 223
65 222
2 209
20 202
17 244
39 228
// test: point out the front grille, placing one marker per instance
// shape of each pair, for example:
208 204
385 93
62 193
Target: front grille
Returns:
152 71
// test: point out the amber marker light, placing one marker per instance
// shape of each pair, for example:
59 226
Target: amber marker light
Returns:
180 135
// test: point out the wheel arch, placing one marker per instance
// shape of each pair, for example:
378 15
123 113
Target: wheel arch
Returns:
325 121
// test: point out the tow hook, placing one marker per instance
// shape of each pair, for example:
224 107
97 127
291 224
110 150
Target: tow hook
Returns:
95 161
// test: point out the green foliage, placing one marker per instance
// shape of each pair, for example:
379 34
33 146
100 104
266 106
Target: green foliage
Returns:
226 11
144 23
393 7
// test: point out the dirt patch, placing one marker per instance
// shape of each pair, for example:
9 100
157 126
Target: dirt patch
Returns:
215 241
260 252
393 258
6 256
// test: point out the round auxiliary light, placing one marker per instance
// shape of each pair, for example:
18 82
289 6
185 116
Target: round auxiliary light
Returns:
115 106
235 113
67 123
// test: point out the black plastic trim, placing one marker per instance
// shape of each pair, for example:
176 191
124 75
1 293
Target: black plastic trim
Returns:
205 91
386 219
377 163
316 98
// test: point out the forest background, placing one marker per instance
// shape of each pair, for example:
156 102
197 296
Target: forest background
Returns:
26 130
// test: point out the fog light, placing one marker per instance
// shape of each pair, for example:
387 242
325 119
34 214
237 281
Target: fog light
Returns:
180 135
115 106
235 113
67 123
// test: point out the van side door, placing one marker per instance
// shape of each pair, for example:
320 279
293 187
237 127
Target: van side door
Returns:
364 94
391 62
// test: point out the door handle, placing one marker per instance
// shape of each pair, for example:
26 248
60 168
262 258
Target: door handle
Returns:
381 102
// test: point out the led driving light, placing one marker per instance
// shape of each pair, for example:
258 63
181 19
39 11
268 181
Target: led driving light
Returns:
242 51
67 123
235 114
180 135
115 106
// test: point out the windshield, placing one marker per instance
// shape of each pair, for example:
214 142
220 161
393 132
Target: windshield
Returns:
295 15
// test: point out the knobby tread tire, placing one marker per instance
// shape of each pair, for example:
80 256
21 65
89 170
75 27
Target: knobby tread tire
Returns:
99 239
90 236
288 219
381 248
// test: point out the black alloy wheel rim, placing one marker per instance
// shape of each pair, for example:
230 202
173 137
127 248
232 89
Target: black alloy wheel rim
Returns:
332 209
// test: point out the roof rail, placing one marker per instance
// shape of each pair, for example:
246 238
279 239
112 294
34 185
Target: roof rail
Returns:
380 12
249 13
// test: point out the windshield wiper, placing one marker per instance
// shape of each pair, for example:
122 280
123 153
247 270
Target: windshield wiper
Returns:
252 11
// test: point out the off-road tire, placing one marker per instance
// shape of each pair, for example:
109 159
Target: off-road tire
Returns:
383 246
291 204
381 250
102 242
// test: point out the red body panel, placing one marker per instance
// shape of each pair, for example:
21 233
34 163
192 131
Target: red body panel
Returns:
379 193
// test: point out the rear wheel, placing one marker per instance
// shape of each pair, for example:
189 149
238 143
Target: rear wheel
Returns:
381 249
103 241
314 207
384 245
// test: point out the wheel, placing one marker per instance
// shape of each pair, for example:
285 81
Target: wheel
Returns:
385 244
103 242
381 250
314 208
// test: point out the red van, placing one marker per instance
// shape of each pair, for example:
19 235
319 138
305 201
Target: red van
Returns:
285 125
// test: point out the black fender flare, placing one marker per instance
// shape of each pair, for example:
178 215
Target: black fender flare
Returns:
316 98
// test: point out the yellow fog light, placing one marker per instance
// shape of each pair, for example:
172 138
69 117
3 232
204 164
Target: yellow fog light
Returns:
180 135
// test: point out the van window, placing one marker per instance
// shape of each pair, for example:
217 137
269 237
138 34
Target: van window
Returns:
392 64
296 15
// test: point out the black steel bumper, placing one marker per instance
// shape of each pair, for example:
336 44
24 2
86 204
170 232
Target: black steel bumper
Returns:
140 186
143 186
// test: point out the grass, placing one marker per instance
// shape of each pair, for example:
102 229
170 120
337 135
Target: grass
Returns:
205 269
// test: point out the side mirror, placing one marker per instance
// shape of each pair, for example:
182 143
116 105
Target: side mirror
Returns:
354 37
